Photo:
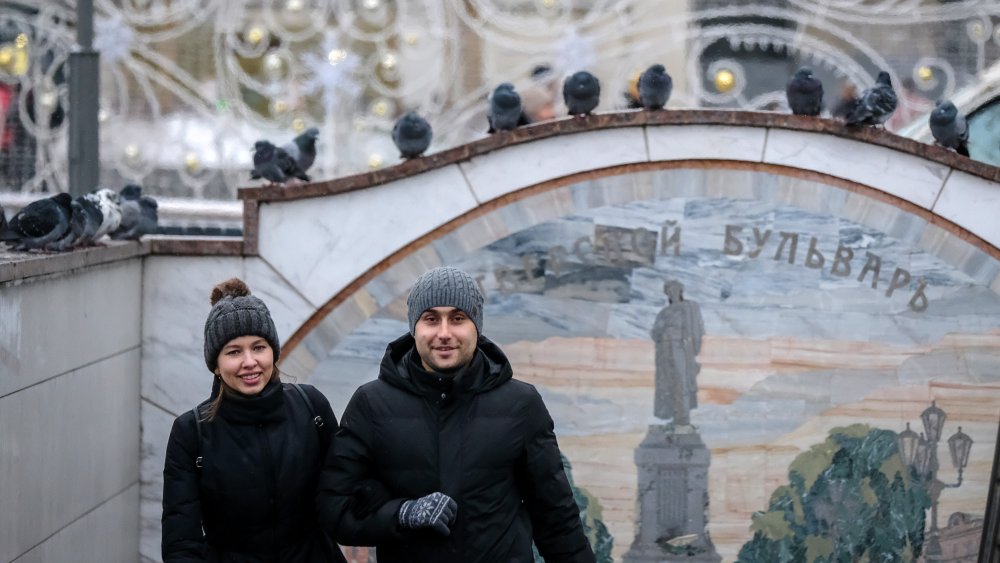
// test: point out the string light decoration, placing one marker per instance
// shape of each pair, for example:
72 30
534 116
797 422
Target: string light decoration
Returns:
207 78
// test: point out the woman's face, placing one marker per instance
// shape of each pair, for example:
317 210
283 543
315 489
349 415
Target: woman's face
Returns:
246 364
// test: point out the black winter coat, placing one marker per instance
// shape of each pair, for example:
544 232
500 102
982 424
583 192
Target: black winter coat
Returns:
255 494
488 443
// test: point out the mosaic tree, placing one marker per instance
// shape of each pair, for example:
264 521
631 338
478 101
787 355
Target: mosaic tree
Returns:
850 498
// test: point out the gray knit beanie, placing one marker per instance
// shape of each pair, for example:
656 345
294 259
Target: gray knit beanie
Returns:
236 313
445 287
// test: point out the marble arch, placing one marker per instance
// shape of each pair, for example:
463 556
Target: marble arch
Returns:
464 191
792 351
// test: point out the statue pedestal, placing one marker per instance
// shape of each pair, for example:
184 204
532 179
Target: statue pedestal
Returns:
673 499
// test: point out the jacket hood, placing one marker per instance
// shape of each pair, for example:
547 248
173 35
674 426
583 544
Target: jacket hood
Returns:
395 371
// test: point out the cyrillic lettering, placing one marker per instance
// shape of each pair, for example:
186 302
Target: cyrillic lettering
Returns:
760 241
842 261
785 237
814 259
919 301
900 279
674 240
877 267
732 245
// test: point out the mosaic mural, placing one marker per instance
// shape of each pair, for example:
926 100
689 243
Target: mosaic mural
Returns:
817 326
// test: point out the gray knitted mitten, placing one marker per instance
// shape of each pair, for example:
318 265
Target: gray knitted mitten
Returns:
435 511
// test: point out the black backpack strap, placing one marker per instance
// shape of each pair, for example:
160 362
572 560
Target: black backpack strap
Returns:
198 461
317 419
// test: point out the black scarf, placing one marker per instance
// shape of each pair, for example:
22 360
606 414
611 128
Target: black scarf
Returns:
265 407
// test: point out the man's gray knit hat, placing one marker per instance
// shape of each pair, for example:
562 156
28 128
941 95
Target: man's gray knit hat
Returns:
236 313
445 287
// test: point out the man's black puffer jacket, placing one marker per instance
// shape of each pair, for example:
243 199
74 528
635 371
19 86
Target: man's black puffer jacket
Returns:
255 494
487 441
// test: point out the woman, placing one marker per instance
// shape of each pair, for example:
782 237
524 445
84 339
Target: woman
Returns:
239 482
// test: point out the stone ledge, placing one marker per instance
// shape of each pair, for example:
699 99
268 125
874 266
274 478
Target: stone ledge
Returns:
610 120
23 265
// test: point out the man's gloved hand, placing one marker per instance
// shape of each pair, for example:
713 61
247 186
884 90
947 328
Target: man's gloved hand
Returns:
435 510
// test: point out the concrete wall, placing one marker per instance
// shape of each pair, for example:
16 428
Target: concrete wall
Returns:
69 414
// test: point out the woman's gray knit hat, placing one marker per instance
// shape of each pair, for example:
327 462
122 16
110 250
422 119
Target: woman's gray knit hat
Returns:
236 313
445 287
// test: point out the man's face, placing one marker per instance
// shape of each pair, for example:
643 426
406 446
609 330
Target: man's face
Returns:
446 339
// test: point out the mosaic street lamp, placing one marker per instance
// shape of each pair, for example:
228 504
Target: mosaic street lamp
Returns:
920 453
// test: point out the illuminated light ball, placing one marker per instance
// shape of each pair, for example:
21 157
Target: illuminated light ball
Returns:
255 35
273 62
279 106
548 3
48 99
390 66
103 115
21 41
725 80
389 61
298 125
191 162
380 108
294 5
925 73
375 161
13 61
336 55
370 4
131 152
411 38
976 29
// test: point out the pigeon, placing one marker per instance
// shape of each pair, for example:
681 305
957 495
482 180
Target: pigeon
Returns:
84 221
582 93
949 127
111 213
302 148
875 104
505 113
274 164
39 223
412 135
805 93
655 86
139 214
3 220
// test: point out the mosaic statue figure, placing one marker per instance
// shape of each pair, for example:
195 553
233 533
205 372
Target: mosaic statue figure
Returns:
677 334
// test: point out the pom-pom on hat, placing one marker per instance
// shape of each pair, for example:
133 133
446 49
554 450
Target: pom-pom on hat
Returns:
236 313
445 287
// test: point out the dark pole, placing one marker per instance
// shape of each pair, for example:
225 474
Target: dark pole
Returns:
84 98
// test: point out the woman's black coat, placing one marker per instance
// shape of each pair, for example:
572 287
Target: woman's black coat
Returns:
487 442
254 495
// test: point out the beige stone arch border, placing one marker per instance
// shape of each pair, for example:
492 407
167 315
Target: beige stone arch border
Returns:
949 226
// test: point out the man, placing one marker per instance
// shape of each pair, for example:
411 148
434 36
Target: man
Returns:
445 457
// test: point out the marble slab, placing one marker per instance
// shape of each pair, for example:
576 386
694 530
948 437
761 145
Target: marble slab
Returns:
67 446
714 142
108 533
903 175
288 307
339 237
50 326
972 203
514 167
175 303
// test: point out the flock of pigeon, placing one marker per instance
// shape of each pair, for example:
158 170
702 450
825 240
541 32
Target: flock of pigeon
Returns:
62 222
582 92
